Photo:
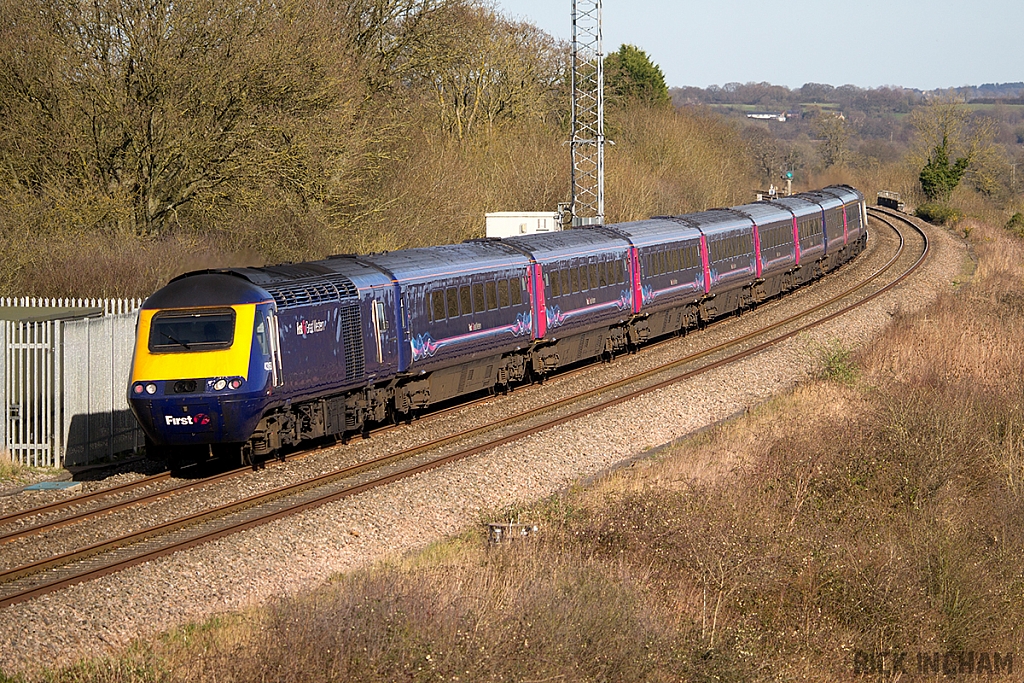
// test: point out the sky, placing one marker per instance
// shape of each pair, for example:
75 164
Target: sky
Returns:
925 44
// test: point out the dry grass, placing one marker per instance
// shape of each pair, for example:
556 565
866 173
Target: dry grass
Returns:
10 471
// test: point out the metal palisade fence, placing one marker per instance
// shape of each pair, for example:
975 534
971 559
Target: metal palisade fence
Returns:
64 366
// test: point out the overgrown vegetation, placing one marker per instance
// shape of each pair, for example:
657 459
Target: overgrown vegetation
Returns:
939 214
1016 224
837 362
9 470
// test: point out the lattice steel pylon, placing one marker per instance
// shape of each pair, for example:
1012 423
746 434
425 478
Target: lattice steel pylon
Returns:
587 113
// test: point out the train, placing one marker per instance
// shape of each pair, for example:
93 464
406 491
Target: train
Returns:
254 361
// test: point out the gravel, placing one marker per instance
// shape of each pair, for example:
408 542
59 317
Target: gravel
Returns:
303 552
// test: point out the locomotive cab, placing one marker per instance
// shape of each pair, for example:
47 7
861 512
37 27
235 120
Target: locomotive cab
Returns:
206 361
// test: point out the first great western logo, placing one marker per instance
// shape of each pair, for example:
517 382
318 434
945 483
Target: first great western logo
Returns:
197 420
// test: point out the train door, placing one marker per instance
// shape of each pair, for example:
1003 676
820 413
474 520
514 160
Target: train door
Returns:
384 312
535 291
387 313
635 279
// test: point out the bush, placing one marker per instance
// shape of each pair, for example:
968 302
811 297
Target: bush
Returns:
836 361
1016 224
939 214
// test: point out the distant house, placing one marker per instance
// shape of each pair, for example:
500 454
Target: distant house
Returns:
768 116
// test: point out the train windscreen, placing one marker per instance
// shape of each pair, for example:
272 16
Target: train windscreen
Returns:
184 332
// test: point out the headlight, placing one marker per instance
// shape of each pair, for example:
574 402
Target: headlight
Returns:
151 389
220 384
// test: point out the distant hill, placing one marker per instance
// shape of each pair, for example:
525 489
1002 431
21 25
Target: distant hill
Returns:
772 97
998 91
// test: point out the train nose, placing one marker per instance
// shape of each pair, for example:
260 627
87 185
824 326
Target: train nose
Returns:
197 420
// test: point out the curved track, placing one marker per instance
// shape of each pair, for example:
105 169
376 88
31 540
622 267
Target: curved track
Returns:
18 584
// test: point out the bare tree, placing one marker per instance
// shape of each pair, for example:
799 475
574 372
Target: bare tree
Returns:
485 69
764 149
172 104
834 135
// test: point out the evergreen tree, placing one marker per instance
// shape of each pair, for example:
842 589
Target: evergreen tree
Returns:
631 76
940 176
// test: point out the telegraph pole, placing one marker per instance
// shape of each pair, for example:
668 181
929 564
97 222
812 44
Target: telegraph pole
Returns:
587 113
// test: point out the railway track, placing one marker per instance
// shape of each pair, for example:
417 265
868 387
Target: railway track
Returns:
18 584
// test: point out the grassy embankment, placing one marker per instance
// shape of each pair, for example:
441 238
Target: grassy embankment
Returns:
759 551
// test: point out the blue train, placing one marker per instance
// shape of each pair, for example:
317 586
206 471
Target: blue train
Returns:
255 360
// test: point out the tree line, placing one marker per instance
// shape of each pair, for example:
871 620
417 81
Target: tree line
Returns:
141 139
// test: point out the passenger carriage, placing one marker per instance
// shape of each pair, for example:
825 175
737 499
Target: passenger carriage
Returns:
672 281
810 236
731 266
466 308
833 226
587 295
775 239
855 215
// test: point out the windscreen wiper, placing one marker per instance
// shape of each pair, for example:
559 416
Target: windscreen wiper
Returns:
177 341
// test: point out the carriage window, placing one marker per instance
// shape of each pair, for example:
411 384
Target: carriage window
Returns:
453 302
574 277
479 304
437 303
503 293
516 286
602 272
556 284
492 296
465 302
593 275
564 274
